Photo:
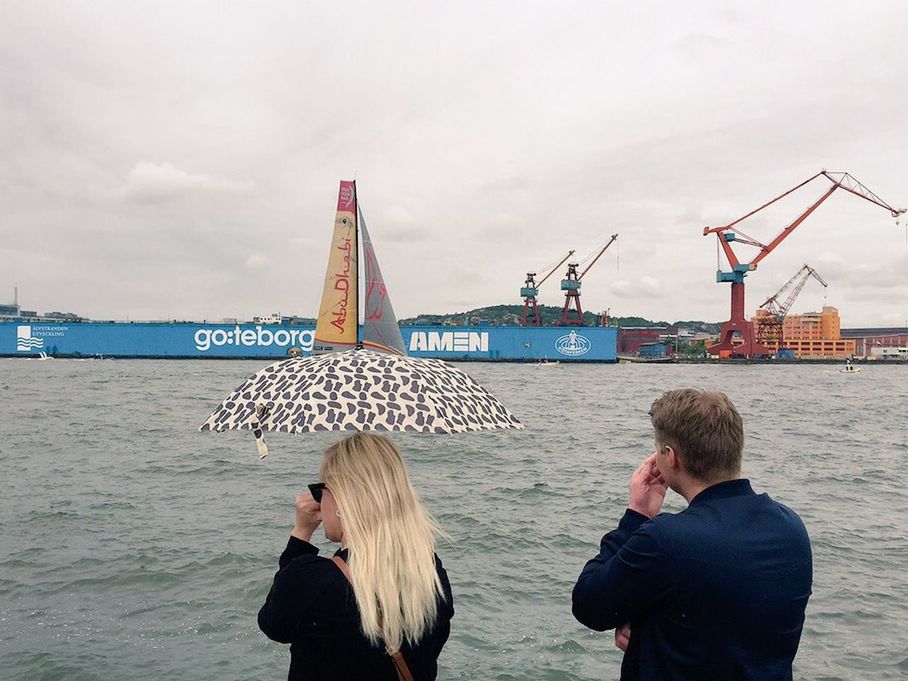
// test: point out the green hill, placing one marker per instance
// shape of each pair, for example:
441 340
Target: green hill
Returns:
511 315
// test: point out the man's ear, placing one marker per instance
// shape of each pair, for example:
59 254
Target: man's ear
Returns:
672 456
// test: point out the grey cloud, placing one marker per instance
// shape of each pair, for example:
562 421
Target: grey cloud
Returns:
149 182
645 287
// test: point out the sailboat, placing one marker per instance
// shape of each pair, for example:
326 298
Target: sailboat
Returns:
337 327
361 378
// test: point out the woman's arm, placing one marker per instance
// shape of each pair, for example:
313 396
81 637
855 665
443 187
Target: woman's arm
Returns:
290 593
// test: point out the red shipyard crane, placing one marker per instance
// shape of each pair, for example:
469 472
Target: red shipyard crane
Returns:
727 234
530 290
771 314
571 287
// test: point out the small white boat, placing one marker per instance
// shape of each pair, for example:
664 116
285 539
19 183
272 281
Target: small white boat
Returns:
850 370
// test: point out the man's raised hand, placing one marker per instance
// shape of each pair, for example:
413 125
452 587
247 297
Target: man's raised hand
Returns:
648 488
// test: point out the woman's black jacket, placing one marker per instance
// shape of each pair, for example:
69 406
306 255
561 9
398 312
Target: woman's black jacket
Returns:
311 606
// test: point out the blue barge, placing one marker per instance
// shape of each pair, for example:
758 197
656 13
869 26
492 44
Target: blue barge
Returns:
187 340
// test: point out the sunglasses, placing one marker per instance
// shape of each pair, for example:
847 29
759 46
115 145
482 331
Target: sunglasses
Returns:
316 488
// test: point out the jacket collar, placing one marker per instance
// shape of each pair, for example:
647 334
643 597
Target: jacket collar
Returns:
724 490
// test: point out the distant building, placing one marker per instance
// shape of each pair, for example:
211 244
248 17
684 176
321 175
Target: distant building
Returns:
655 350
296 320
689 336
867 340
62 316
889 353
630 338
15 313
816 335
11 310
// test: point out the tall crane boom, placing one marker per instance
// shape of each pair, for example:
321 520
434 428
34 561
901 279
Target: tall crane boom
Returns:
598 255
839 180
771 304
730 233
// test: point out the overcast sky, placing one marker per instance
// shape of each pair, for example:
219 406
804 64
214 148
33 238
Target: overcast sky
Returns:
162 160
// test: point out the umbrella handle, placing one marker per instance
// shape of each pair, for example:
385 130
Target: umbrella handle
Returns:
260 412
260 443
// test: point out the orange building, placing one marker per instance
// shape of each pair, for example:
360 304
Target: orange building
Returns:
816 334
813 334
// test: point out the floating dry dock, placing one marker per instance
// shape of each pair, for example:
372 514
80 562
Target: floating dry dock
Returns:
178 340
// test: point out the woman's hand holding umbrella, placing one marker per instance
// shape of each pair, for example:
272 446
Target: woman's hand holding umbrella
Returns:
308 517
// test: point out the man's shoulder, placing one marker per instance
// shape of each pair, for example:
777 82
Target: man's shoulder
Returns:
666 524
755 510
785 514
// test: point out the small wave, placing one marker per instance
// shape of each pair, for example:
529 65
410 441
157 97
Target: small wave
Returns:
568 647
59 665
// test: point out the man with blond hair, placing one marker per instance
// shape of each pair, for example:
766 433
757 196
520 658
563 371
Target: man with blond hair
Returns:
717 591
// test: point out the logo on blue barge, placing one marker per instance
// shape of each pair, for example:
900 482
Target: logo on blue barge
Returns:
25 342
206 339
573 344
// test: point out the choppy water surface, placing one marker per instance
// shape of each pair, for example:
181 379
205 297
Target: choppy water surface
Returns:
133 546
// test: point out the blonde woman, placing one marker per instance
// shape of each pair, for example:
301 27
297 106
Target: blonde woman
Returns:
381 608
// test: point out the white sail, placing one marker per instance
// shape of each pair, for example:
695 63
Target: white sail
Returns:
380 328
337 327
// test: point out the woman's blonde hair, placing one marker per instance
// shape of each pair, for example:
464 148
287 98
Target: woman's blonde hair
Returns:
391 539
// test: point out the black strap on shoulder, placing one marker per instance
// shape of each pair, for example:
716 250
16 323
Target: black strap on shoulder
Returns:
400 664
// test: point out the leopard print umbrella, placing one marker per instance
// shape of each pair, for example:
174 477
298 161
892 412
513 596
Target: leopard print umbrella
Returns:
359 390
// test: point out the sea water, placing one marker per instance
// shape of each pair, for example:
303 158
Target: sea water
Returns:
133 546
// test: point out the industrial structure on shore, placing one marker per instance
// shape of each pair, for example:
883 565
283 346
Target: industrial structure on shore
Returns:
738 337
808 336
771 333
572 313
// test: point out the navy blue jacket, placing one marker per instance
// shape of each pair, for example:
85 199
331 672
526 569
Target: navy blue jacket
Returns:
717 591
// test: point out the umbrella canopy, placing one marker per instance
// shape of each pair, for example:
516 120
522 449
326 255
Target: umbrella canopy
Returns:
360 390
